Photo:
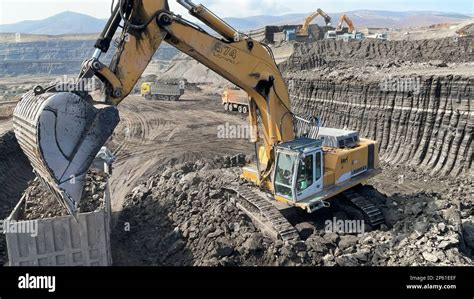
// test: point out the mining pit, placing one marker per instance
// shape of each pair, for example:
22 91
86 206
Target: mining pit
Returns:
171 201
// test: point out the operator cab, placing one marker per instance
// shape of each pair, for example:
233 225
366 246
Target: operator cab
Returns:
299 168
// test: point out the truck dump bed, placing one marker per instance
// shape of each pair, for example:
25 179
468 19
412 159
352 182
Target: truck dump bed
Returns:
235 96
164 92
163 89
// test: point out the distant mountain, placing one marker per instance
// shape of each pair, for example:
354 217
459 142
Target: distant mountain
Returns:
255 22
76 23
360 18
64 23
380 18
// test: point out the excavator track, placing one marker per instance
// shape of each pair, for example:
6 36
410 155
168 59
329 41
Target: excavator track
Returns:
280 224
372 213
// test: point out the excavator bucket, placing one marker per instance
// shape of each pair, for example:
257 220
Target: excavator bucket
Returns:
61 133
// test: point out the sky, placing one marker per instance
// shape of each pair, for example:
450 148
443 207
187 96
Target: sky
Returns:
12 11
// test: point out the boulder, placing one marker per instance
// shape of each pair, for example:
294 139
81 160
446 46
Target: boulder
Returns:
224 249
430 257
254 243
305 230
347 241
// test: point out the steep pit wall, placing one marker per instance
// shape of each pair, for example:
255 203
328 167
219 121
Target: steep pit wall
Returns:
431 128
58 57
331 53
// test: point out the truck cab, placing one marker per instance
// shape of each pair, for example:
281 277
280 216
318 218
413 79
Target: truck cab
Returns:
145 88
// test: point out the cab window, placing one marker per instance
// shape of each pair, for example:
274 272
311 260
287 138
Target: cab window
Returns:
318 166
305 173
284 175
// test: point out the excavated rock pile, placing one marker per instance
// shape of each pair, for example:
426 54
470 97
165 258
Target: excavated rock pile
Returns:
15 173
41 204
184 216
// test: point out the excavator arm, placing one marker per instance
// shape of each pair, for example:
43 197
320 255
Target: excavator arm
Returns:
350 24
61 132
241 60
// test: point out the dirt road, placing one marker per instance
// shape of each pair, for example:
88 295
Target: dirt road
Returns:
153 133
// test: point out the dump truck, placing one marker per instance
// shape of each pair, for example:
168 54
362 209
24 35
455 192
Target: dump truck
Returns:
235 99
162 92
380 36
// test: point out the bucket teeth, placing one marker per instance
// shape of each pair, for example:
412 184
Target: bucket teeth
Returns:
61 133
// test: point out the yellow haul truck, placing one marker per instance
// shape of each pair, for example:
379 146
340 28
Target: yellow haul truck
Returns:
162 92
235 99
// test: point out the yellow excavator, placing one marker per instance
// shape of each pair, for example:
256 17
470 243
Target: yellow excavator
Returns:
340 33
303 31
298 162
350 24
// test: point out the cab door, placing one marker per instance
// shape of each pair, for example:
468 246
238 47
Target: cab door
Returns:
309 178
